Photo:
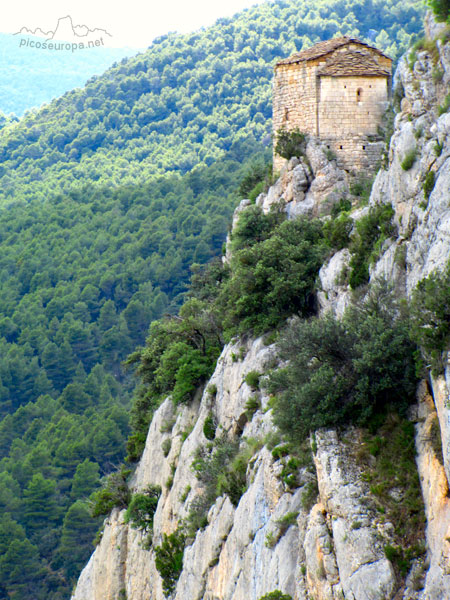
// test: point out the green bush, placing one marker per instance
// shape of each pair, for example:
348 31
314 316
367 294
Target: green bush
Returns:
337 232
273 278
169 480
309 496
252 379
169 559
166 446
271 539
371 231
437 148
409 159
258 174
251 406
142 508
254 226
289 472
430 310
361 187
344 205
387 457
344 371
114 493
428 184
290 143
209 427
281 451
437 75
276 595
212 391
179 356
221 469
286 521
445 106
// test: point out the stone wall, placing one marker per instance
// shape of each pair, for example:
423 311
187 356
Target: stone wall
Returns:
355 153
349 105
294 100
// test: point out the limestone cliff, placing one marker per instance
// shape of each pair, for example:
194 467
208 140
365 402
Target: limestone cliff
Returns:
333 545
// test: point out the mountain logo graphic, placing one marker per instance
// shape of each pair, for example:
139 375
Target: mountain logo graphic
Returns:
66 31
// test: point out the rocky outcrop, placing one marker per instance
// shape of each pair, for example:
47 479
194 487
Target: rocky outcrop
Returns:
309 185
323 538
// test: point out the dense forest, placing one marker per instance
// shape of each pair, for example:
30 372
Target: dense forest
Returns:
110 194
30 77
187 100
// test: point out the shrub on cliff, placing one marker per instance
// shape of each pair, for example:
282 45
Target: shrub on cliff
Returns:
221 468
169 560
114 493
441 9
273 276
180 355
371 231
290 143
142 508
345 371
431 317
256 180
276 595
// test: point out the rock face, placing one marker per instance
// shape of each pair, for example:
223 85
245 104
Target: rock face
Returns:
331 542
307 186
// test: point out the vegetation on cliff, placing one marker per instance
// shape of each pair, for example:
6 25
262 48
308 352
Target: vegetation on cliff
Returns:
272 276
345 371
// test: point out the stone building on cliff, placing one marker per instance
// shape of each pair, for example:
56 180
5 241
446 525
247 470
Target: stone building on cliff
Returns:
337 90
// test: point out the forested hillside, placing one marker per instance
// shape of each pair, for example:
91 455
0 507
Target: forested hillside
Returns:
109 194
30 77
187 100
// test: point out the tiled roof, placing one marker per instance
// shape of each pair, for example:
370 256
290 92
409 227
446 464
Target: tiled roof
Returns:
352 62
323 48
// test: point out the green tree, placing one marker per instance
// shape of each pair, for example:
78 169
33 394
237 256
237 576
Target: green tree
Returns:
85 479
39 503
20 570
78 531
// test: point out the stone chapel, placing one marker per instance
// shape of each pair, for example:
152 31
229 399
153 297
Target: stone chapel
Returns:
337 90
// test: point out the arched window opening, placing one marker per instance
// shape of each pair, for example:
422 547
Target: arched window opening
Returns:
359 94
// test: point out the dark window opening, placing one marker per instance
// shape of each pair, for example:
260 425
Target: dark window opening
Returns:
364 147
359 95
340 147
